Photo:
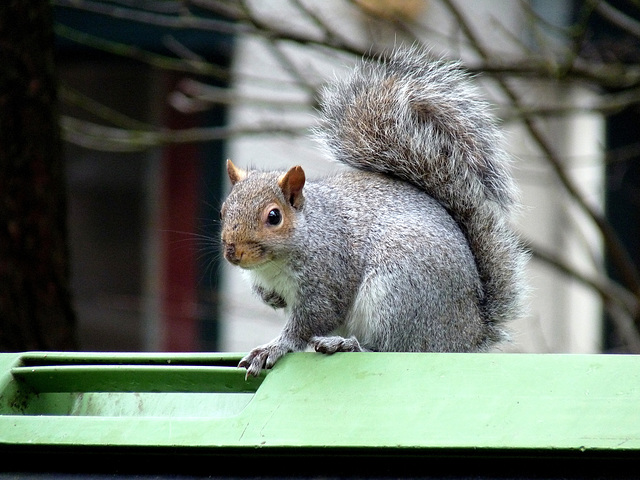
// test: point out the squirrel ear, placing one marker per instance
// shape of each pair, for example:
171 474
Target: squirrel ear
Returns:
235 174
291 184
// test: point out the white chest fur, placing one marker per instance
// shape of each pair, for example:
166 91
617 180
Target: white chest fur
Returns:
275 277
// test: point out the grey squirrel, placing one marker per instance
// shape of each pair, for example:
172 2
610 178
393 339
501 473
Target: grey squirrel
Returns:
411 250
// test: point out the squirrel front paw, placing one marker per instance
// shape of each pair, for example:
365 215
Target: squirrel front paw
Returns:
264 356
335 344
270 297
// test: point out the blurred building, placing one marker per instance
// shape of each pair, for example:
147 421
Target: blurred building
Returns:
138 217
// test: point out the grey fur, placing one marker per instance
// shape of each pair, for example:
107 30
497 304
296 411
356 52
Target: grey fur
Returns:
370 253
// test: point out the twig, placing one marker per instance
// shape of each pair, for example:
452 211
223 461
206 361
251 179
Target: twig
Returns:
605 105
609 76
152 5
192 96
273 33
226 9
621 305
74 97
330 35
226 96
100 137
160 61
245 23
181 50
579 33
287 65
618 18
148 17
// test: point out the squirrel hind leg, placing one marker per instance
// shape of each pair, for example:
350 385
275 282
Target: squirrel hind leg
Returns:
335 344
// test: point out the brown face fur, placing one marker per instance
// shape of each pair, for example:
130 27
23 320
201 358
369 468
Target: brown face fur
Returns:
258 215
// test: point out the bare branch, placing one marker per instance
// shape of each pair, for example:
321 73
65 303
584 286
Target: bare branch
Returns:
272 33
290 67
149 58
621 305
604 105
149 17
618 18
152 5
181 50
330 35
74 97
608 290
100 137
191 95
223 8
609 76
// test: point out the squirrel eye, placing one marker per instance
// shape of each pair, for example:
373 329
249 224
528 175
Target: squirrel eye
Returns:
274 217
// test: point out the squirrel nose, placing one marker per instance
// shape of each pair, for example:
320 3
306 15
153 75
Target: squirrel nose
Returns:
230 253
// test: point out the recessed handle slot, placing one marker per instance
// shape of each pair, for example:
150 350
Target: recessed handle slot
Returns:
198 386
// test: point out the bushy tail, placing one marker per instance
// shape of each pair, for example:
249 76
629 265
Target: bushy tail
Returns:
423 121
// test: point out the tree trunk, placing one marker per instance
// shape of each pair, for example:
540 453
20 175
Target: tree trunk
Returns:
35 304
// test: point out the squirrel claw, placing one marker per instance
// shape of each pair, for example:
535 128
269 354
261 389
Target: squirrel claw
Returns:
254 362
264 356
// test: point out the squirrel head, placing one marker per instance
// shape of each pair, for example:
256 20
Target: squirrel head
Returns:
259 215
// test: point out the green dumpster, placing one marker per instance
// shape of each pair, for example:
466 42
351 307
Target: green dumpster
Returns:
349 414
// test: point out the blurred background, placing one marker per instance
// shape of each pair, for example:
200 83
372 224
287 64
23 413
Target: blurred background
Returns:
116 118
